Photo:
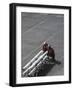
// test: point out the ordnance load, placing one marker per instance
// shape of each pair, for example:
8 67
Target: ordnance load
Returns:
42 61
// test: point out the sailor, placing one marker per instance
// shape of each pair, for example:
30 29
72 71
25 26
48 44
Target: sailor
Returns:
51 55
45 46
51 52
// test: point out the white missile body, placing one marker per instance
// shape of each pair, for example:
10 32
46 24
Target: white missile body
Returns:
34 62
30 63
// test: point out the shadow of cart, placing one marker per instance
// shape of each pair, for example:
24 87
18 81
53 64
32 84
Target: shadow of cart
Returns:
45 68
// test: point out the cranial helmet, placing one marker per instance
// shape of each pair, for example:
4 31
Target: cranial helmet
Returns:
45 43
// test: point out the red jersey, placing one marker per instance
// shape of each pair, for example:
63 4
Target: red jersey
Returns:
51 52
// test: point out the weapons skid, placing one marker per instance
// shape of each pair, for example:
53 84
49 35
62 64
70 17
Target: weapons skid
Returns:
35 61
35 70
31 62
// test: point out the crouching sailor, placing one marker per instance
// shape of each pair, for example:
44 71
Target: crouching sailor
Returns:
51 52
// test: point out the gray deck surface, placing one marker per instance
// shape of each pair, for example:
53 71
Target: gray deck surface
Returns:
37 28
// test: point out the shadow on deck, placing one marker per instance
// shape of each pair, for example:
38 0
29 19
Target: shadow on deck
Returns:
45 69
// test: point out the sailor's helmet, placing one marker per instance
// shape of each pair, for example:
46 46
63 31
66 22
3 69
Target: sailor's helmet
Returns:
45 43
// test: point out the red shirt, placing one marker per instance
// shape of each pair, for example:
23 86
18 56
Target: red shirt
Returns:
51 52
